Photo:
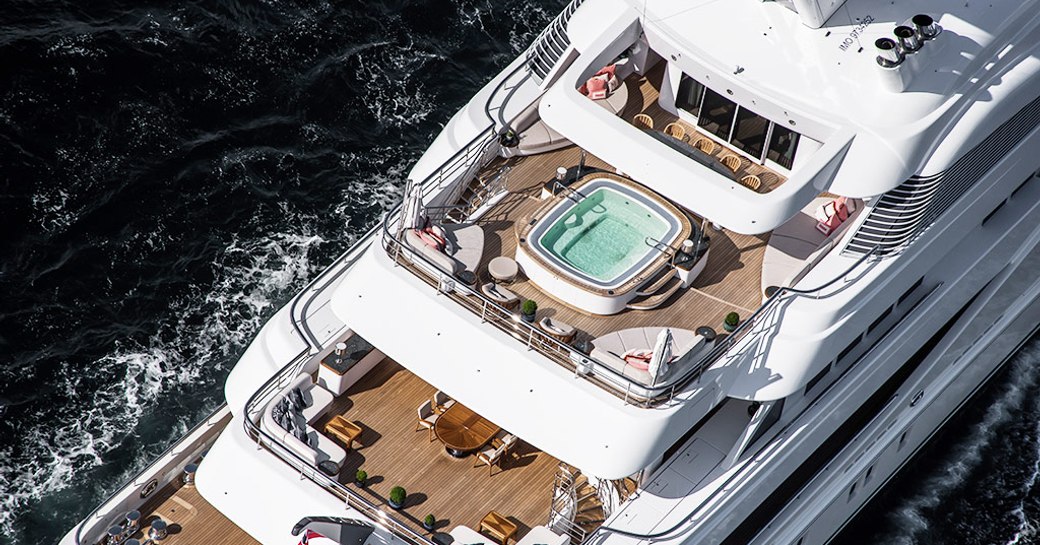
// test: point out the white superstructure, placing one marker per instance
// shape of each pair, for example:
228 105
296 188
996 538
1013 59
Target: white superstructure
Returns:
858 184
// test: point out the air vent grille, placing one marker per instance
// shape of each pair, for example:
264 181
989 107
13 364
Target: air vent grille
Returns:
551 44
902 214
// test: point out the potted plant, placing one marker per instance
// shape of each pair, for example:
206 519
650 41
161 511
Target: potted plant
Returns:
527 310
731 322
428 522
397 496
361 477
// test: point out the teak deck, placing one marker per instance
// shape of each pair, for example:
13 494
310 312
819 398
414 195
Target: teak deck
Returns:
730 282
190 519
385 402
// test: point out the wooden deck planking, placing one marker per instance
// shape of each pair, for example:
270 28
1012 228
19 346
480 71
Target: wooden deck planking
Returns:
643 93
384 402
731 281
190 519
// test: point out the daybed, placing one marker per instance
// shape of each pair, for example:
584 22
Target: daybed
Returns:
687 349
317 448
464 248
797 246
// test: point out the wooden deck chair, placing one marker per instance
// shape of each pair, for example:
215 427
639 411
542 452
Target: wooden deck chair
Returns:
732 162
707 145
676 131
751 182
643 121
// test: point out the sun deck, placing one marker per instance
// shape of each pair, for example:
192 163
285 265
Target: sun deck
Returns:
729 283
393 453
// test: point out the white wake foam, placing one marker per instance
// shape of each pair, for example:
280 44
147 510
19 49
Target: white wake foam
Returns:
100 404
911 518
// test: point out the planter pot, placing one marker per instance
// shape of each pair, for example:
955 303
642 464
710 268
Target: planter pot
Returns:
529 318
427 526
361 484
395 505
729 328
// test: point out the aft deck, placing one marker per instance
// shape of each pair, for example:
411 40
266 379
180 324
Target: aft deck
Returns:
384 403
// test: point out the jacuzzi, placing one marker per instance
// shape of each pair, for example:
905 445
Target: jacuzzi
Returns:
598 241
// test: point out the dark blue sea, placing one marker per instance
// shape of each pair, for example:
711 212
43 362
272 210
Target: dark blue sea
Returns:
171 173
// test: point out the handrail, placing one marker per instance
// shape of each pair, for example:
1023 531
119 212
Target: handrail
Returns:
658 245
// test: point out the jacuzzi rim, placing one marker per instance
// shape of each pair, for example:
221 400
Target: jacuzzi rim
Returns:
647 198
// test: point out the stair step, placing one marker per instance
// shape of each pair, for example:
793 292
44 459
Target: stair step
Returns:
653 301
665 274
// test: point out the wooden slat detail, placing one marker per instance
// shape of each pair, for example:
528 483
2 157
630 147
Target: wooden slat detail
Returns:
385 402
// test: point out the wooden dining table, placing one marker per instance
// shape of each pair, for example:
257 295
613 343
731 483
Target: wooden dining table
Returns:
463 431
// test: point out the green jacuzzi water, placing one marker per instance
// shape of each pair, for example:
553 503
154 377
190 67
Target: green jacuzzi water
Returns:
604 234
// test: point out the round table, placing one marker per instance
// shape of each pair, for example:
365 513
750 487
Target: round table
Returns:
503 269
463 431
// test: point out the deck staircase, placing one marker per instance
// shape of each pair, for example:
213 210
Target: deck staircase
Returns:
480 190
579 507
657 290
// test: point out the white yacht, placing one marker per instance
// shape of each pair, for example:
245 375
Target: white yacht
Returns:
684 272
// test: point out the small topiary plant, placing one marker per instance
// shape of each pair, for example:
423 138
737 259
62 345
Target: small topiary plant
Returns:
361 477
397 496
731 321
429 521
529 307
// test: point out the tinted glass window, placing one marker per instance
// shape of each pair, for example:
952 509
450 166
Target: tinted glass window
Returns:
690 93
750 133
782 146
717 114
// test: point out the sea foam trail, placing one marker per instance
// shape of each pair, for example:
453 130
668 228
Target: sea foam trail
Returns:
88 423
914 516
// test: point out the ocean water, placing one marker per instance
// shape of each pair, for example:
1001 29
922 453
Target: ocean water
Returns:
173 172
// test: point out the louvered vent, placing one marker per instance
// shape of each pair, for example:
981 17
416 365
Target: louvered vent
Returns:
902 214
551 44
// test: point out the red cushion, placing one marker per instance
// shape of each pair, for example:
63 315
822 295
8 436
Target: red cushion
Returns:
597 87
640 359
608 70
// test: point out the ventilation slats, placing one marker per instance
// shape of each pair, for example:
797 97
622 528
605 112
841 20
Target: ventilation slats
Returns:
551 44
903 213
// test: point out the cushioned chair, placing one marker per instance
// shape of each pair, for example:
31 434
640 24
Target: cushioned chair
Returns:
707 145
751 182
561 331
441 402
643 121
732 162
500 295
427 418
490 456
676 131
